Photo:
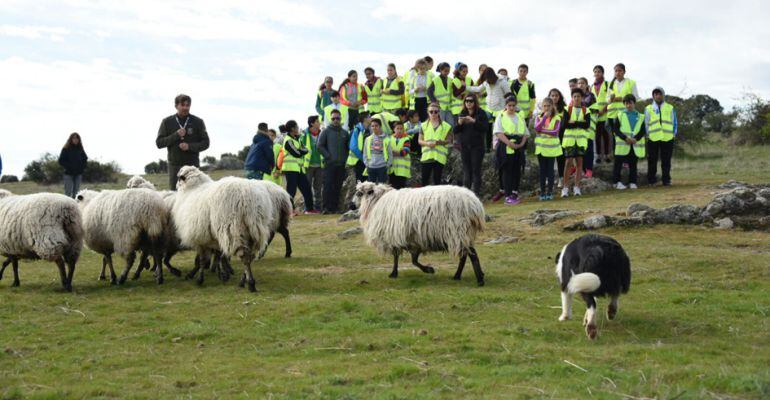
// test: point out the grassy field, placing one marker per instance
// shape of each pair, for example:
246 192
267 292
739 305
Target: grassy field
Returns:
328 323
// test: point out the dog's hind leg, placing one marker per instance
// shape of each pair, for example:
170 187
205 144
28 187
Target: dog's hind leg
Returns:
612 308
589 321
566 306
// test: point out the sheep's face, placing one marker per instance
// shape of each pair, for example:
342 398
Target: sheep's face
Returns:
368 191
190 177
4 193
137 182
85 196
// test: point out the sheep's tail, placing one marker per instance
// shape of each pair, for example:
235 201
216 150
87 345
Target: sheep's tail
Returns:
586 282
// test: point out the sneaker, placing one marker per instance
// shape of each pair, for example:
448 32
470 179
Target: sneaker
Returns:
576 191
565 192
666 183
620 186
543 197
632 186
312 212
598 160
549 196
497 197
561 182
512 200
589 173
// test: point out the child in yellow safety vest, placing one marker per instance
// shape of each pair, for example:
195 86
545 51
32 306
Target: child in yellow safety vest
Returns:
401 167
577 123
630 144
547 146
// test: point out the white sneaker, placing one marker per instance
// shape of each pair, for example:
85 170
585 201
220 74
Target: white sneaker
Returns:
561 183
576 191
565 192
632 186
620 186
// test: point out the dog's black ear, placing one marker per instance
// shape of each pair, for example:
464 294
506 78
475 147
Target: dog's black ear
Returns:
557 256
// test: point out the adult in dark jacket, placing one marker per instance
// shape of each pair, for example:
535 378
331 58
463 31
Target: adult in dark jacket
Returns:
333 145
260 159
184 135
472 126
73 158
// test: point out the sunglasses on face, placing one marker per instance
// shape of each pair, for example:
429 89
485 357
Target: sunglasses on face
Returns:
433 112
469 100
336 119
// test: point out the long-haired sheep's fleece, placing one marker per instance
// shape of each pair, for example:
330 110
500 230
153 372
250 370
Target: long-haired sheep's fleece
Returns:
433 218
43 225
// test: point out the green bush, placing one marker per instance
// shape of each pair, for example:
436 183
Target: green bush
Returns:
156 167
46 170
753 116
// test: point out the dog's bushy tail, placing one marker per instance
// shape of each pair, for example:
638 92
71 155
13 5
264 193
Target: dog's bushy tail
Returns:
583 283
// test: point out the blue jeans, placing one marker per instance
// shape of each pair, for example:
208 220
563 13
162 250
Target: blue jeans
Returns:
254 174
378 175
72 185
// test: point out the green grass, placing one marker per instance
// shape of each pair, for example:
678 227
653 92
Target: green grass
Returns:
328 323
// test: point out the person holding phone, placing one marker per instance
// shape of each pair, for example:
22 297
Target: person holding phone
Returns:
185 137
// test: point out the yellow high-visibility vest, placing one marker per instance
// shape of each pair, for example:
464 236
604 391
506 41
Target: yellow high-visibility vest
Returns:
440 152
660 126
547 145
621 147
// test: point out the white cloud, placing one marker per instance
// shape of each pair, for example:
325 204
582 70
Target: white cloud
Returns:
34 32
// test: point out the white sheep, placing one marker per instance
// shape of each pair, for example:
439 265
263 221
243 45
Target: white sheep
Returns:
122 222
44 226
137 182
232 215
433 218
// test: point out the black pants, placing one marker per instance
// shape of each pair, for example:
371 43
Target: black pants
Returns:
358 169
431 169
421 106
352 119
173 170
511 170
489 136
296 180
397 182
632 160
588 158
664 151
546 174
334 175
560 160
603 141
472 158
378 175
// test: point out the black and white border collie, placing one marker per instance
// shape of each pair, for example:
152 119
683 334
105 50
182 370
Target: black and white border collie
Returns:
592 265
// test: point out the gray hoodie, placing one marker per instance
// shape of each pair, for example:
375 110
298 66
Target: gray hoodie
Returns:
333 145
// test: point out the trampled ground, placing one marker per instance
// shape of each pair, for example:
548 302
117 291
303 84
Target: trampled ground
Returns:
328 323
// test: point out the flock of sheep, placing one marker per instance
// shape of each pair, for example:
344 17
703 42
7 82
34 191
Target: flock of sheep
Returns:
236 217
218 220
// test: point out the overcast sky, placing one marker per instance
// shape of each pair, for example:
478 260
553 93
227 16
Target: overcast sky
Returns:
110 69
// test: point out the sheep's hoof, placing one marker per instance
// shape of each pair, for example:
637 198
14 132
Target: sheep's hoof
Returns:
189 276
175 271
393 275
564 317
102 277
481 282
428 270
161 280
68 288
611 312
591 331
122 279
15 284
252 287
288 255
113 281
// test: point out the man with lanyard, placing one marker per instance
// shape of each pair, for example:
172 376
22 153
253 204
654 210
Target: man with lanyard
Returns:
184 135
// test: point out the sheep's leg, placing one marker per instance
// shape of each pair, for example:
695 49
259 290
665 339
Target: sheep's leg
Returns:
225 270
171 269
113 276
424 268
566 306
242 283
156 258
285 233
144 263
394 274
612 308
63 275
589 321
198 262
476 266
226 266
104 267
6 263
460 266
247 259
15 266
200 277
71 261
130 258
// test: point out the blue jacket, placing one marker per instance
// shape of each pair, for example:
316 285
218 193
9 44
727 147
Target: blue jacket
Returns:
353 144
260 157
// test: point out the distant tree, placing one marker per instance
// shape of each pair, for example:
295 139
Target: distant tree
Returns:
210 160
47 170
156 167
752 122
243 153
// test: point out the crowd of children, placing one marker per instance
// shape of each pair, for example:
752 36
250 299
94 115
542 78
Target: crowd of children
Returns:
380 127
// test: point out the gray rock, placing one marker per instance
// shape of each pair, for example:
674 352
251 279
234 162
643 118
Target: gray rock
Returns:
594 185
724 223
544 217
348 233
351 215
488 218
631 221
733 184
503 239
676 214
636 208
595 222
